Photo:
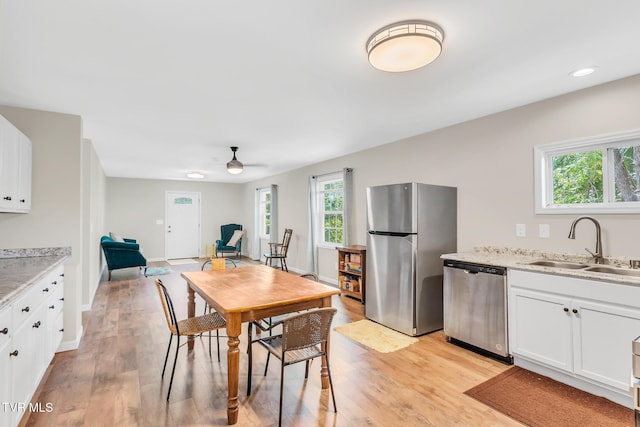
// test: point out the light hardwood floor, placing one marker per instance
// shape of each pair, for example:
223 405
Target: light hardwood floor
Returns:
113 378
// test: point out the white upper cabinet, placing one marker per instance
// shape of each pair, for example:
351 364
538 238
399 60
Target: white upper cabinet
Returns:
15 169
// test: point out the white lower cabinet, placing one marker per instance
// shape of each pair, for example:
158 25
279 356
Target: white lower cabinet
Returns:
21 369
602 341
580 328
32 321
541 328
6 330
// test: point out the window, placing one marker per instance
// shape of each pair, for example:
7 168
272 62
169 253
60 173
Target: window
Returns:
330 191
264 210
598 175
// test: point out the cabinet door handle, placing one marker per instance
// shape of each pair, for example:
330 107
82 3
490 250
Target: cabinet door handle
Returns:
26 309
62 299
7 197
13 353
52 307
5 331
61 330
37 324
575 311
45 290
61 274
55 282
566 309
23 201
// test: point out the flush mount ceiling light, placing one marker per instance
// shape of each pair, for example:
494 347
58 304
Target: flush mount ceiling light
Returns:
234 166
195 175
582 72
405 46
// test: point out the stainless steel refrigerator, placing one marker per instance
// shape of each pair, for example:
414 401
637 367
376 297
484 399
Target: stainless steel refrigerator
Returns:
408 227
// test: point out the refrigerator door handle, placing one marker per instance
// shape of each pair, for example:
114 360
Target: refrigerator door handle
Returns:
389 233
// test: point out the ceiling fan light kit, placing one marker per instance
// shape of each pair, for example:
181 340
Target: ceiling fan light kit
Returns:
234 166
405 46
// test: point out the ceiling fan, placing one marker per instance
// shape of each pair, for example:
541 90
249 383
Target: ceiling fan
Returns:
235 166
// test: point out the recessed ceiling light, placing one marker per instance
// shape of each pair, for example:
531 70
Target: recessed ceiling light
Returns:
195 175
405 46
582 72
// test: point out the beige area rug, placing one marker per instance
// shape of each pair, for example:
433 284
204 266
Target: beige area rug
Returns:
181 261
375 336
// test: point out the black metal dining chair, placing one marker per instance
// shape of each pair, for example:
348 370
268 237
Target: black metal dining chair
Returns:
304 337
189 326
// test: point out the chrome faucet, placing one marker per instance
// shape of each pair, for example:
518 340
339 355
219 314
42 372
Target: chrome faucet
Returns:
597 257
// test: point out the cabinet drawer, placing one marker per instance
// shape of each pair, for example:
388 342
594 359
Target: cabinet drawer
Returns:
5 325
57 333
56 277
24 306
47 286
55 303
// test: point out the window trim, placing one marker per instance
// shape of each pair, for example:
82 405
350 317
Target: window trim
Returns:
262 212
543 175
320 181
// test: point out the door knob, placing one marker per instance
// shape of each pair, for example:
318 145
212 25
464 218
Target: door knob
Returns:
566 309
575 311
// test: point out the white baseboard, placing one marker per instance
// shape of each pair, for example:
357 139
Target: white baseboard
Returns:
156 259
71 344
330 280
615 395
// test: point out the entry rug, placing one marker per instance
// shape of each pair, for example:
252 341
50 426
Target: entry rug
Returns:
375 336
536 400
156 271
181 261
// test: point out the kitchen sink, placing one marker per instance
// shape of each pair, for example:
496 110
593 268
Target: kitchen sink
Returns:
613 270
558 264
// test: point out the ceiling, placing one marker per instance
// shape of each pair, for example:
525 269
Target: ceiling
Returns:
165 87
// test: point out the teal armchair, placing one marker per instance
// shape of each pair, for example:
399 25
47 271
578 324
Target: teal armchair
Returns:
122 254
226 232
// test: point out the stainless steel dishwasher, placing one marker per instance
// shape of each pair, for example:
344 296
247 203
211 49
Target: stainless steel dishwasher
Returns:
475 308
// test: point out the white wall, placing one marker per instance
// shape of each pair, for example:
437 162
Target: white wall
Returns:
94 191
134 205
490 161
55 219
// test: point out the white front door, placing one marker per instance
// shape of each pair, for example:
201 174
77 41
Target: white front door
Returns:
182 225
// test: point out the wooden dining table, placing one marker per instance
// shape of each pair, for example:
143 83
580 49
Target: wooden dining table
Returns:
249 293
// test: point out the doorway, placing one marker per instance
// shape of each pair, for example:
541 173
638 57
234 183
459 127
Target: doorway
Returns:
182 219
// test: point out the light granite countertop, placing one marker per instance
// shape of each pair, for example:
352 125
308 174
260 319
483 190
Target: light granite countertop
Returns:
21 268
516 258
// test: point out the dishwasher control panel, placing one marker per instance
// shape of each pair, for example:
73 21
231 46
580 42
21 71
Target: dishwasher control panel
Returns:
475 268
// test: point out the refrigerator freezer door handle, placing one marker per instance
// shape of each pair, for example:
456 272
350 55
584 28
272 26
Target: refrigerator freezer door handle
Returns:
389 233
